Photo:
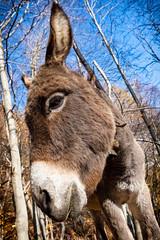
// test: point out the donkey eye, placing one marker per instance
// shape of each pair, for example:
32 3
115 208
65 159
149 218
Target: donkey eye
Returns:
56 102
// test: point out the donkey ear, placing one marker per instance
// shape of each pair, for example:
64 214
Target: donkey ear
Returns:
27 81
60 39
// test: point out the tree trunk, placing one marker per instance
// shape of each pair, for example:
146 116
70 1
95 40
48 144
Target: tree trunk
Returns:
109 93
62 231
42 224
138 230
51 229
37 231
21 211
87 67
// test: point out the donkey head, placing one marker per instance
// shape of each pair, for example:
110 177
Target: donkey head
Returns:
71 127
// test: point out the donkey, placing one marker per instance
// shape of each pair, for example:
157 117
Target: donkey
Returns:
74 159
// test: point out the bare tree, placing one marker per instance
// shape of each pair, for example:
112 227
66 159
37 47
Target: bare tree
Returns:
21 211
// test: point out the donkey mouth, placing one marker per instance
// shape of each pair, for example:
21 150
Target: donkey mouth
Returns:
58 194
57 215
59 210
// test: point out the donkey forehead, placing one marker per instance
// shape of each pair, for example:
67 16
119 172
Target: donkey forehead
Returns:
49 80
53 78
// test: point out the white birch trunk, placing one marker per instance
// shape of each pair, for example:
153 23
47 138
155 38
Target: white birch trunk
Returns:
37 231
51 229
42 224
138 230
21 211
109 93
62 231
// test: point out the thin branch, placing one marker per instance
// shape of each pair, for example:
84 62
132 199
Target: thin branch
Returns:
87 67
6 21
151 21
20 21
137 109
141 38
103 7
142 140
4 182
120 104
26 34
105 78
109 12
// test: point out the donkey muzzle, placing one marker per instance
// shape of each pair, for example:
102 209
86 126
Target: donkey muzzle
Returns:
57 192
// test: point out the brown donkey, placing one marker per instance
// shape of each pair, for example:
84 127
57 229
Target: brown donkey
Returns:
74 161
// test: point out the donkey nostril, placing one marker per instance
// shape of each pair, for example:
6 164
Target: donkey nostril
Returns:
46 198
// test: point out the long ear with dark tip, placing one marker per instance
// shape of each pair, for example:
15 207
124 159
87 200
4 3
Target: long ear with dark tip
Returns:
60 39
27 81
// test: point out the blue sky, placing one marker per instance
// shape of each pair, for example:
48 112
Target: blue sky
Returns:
118 26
